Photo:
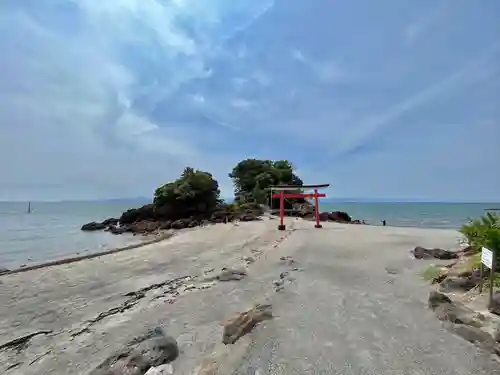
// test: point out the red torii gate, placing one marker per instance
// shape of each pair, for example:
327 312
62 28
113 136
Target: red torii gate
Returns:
282 195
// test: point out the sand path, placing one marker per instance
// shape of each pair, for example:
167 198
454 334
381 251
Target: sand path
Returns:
356 306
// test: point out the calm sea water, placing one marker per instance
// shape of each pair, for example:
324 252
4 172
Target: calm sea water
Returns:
52 230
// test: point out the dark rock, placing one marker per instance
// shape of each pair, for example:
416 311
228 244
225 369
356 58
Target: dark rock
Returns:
339 217
448 311
249 217
336 216
165 225
118 230
453 284
93 226
229 274
244 322
145 212
3 270
142 353
180 224
143 226
323 216
193 224
495 304
110 221
423 253
436 299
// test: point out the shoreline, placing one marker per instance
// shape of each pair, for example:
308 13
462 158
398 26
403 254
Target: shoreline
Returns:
79 258
166 236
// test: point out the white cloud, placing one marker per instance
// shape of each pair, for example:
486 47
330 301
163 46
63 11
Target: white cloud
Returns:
421 25
241 103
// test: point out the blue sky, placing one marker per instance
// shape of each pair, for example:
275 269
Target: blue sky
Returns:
383 99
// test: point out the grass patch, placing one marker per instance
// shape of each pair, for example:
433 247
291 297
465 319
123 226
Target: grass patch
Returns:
431 272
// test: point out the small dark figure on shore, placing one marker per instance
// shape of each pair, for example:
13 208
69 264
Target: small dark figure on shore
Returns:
384 223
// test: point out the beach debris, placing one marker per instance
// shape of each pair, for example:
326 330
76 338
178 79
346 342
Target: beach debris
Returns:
231 274
391 271
23 341
243 323
150 350
423 253
284 274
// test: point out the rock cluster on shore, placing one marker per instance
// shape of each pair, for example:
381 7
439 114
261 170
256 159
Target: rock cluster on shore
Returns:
150 219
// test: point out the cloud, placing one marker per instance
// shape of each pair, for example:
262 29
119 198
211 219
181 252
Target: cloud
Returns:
422 24
377 124
103 99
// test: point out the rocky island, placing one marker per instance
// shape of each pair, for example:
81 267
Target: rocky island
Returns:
194 200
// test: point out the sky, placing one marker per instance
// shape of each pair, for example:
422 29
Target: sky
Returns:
386 99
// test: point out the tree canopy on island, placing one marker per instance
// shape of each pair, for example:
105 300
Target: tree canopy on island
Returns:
195 192
252 178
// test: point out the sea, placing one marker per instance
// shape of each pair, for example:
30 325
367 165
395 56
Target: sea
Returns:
52 230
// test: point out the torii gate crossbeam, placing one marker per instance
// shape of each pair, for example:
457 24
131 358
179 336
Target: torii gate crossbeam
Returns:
282 195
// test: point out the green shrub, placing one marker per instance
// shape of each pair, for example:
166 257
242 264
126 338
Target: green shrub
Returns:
483 232
432 272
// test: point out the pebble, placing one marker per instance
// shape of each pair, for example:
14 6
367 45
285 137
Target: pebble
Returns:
283 275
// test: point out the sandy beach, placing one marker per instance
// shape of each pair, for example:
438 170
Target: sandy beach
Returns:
354 304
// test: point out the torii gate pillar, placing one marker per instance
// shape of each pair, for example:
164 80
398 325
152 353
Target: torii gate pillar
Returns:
282 197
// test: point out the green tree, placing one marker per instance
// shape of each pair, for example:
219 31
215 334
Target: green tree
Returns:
194 193
252 178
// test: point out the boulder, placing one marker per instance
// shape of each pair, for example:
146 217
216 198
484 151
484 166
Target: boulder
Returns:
146 212
142 353
474 335
495 304
165 225
448 311
110 221
339 217
244 322
249 217
193 224
323 216
118 229
423 253
180 224
436 299
93 226
454 284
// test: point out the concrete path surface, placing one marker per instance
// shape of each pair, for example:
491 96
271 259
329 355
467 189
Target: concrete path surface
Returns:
353 303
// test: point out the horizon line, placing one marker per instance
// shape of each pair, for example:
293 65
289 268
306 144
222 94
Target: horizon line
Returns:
327 200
